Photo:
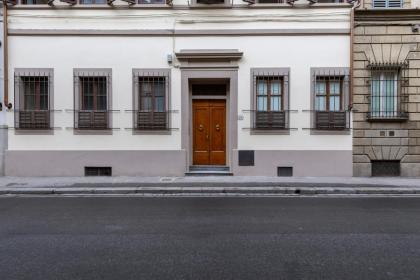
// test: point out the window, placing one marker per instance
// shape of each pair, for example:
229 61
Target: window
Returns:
151 99
328 93
384 168
384 94
330 98
33 91
387 3
270 98
92 98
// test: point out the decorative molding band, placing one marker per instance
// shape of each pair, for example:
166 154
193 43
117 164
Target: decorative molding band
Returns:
183 32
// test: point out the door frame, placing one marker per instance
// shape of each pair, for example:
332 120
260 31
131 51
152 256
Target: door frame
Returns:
187 77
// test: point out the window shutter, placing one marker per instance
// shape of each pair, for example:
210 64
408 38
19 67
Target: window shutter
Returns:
10 2
71 2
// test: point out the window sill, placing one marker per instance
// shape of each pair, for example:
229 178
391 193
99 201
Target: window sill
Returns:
210 6
386 119
34 131
344 131
88 131
256 131
151 132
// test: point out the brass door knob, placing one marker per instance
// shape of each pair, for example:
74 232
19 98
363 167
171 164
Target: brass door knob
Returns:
200 127
217 127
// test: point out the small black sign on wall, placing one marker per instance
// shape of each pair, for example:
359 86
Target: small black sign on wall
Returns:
245 158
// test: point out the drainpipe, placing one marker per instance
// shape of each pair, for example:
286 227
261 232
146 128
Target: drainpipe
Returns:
5 62
355 6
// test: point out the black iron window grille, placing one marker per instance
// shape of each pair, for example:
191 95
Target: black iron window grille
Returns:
388 100
151 99
92 100
387 3
330 91
270 89
32 99
330 112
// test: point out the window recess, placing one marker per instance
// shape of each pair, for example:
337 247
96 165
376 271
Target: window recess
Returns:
270 95
92 99
330 94
33 99
151 109
388 99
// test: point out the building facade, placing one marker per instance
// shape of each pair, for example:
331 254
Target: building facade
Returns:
152 88
386 89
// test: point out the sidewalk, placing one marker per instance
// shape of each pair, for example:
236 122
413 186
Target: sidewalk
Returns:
218 185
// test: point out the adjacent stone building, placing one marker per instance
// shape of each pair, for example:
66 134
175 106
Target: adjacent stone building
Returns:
386 89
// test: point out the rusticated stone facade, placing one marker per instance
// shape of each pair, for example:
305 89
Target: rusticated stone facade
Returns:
386 40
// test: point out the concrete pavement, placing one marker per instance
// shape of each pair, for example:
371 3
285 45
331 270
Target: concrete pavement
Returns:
212 185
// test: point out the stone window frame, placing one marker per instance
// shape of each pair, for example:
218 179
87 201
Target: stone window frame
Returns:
92 72
270 71
152 72
34 72
326 71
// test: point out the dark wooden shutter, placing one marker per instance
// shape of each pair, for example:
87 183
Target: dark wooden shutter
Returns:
71 2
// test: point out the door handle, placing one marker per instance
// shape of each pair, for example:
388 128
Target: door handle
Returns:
217 127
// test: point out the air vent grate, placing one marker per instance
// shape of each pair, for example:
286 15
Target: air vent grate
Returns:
98 171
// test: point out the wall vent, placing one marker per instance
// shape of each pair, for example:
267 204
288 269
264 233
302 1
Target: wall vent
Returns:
246 158
98 171
383 168
285 171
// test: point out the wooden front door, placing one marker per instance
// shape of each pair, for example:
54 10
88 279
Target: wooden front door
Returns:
209 132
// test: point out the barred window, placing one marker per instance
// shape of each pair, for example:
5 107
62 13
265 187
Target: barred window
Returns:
151 99
384 90
387 3
92 99
270 98
388 87
33 95
269 93
330 94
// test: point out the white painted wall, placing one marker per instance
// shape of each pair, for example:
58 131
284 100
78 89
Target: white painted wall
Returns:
122 53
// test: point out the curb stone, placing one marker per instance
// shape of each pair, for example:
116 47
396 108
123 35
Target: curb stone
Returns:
171 190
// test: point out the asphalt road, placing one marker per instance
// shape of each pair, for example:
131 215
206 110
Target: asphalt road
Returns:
209 238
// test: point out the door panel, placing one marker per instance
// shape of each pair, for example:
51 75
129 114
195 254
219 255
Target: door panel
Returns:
209 132
217 133
201 144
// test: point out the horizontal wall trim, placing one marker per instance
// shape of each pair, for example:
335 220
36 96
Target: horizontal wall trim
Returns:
174 7
184 32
